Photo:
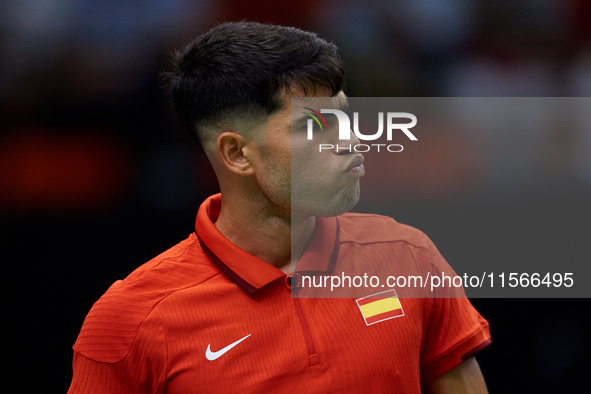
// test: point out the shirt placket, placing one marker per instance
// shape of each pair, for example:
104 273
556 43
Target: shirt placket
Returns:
291 281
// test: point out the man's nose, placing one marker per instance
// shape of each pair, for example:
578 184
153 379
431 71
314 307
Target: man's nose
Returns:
346 146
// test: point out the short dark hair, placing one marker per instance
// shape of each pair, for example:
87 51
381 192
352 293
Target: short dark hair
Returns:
242 68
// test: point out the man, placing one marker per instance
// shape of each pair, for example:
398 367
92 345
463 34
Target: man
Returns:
215 313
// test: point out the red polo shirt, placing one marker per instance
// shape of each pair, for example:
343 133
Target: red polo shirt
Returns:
206 316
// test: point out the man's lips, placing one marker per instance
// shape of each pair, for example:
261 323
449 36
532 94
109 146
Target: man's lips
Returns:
356 164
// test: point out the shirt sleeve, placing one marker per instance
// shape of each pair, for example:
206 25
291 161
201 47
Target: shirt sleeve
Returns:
455 330
143 370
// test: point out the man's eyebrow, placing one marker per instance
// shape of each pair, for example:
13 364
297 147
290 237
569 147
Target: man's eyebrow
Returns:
299 119
343 105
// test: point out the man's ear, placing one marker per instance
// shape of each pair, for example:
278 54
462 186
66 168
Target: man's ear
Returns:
231 152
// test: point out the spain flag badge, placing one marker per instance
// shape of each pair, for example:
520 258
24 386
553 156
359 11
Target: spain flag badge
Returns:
380 306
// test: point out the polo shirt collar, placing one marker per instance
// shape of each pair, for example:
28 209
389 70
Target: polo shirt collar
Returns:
250 272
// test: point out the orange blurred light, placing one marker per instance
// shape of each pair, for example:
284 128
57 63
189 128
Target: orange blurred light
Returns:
61 172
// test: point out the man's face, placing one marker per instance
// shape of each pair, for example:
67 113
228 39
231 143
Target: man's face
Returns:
295 175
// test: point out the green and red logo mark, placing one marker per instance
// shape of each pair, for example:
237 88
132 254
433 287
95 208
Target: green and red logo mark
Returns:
315 116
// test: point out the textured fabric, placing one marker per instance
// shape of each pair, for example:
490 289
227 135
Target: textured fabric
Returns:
154 331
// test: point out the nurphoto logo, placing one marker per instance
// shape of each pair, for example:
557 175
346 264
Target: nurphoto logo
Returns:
345 129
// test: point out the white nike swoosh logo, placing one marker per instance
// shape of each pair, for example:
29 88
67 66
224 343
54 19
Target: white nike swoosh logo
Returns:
215 355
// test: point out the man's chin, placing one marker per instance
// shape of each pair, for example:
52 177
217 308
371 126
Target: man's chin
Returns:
340 209
328 207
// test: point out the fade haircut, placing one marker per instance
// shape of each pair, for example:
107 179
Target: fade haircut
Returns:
242 70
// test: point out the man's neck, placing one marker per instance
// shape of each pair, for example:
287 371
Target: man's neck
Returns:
276 239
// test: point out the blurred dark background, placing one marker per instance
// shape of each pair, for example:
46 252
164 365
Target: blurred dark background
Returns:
96 176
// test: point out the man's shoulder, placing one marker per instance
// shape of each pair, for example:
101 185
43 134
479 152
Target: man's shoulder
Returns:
110 327
363 228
